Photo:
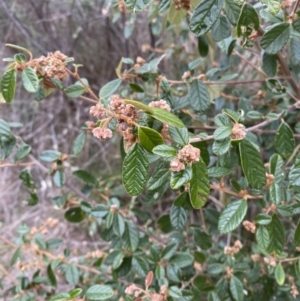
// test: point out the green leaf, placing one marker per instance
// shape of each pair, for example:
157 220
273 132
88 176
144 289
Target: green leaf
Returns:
180 178
5 129
248 18
297 235
295 51
140 266
99 292
119 225
232 11
169 251
135 170
164 223
234 116
75 292
262 237
205 16
279 274
16 256
60 297
254 115
139 105
232 216
277 235
218 172
30 80
275 38
78 144
72 274
136 5
284 140
294 176
175 292
175 15
51 275
39 95
149 138
165 151
276 169
50 156
222 132
179 135
159 178
252 164
215 268
212 296
85 177
22 152
118 259
8 84
178 217
199 96
221 147
221 29
110 88
273 6
75 90
131 237
182 259
59 178
275 193
263 219
100 211
199 186
166 117
136 88
236 288
269 64
75 215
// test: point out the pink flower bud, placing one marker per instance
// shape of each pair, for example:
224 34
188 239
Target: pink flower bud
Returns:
102 134
176 165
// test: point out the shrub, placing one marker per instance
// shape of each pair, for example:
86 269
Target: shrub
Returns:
214 152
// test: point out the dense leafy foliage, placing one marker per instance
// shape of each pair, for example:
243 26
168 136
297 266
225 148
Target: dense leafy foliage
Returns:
222 143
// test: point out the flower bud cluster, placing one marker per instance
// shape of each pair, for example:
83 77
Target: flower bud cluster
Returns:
234 249
52 66
125 114
139 63
94 254
238 131
270 261
188 154
185 4
162 104
249 226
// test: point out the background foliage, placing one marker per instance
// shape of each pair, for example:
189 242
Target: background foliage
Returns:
199 199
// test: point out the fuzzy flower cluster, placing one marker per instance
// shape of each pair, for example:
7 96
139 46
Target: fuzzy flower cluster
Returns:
102 133
188 154
270 261
118 109
249 226
238 131
118 106
160 104
98 111
137 292
234 249
52 66
182 4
